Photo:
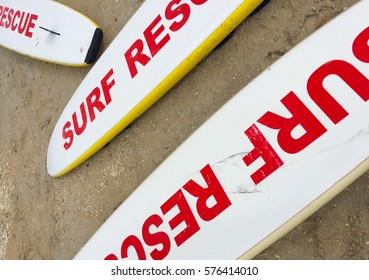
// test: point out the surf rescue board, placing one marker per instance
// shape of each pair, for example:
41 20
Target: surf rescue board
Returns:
277 151
49 31
160 44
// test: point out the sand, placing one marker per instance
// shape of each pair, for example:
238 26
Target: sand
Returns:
46 218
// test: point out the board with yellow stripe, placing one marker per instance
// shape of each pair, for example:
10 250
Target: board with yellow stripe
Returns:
162 42
281 148
49 31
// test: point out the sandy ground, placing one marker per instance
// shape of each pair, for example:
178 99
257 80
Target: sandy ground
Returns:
46 218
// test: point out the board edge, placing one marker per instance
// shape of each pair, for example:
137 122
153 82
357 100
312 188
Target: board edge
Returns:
309 210
220 33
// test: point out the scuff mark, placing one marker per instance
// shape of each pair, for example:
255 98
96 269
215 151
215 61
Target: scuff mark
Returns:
362 133
233 174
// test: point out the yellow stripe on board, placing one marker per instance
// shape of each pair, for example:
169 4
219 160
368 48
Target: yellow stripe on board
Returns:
48 60
239 15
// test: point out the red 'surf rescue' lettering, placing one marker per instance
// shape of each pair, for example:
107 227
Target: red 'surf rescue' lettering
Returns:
17 21
156 243
301 116
155 36
96 102
211 201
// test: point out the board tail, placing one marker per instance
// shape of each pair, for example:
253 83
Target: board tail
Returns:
95 46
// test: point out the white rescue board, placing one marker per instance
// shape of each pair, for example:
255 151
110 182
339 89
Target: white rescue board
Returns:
161 43
281 148
49 31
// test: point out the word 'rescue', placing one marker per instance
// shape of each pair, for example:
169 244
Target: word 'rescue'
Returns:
17 21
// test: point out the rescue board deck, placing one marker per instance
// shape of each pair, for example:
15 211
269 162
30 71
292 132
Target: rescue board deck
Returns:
161 43
281 148
49 31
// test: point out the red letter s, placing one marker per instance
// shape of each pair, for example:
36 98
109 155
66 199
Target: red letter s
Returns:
67 134
171 13
157 238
